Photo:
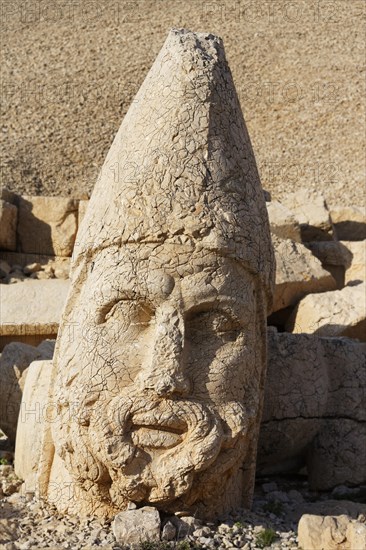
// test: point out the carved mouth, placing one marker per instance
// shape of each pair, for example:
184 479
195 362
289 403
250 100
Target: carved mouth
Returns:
151 430
156 437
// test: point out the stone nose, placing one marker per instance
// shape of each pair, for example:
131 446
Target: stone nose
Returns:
165 373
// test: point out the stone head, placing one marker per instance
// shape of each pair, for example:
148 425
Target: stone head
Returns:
159 392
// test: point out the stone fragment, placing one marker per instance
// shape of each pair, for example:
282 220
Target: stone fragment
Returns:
331 253
349 222
314 409
336 313
298 273
32 268
8 225
83 205
335 257
356 271
47 225
331 533
14 362
41 302
169 531
176 248
34 410
282 222
311 211
137 526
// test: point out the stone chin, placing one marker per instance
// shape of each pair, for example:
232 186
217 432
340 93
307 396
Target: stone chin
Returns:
170 452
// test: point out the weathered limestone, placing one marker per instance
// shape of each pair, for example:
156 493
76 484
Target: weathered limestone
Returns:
8 225
40 312
337 313
83 204
298 273
349 222
14 362
314 409
331 533
356 271
137 526
311 212
172 280
47 225
282 222
34 410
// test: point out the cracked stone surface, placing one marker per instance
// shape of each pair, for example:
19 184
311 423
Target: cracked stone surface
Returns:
159 391
336 313
314 409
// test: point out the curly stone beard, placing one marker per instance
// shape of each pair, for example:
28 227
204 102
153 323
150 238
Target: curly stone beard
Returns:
145 449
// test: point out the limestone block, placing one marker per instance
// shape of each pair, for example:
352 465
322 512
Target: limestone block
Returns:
356 535
32 307
47 225
323 532
137 526
8 225
336 313
298 273
311 211
282 222
356 271
314 387
337 453
34 411
14 362
171 280
349 222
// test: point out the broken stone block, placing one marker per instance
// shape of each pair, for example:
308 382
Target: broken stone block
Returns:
298 273
8 225
40 312
34 410
356 271
282 222
314 387
318 532
356 535
311 212
349 222
137 526
47 225
336 313
14 362
338 452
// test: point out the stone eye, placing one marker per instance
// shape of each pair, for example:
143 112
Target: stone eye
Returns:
129 311
210 324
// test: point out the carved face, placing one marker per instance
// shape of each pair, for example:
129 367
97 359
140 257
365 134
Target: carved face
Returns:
159 386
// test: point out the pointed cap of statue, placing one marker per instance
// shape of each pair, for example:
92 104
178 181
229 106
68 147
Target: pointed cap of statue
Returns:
181 168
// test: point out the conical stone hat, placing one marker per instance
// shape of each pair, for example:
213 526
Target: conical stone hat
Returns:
181 169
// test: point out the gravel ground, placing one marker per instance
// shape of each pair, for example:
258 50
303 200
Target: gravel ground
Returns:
70 70
28 524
